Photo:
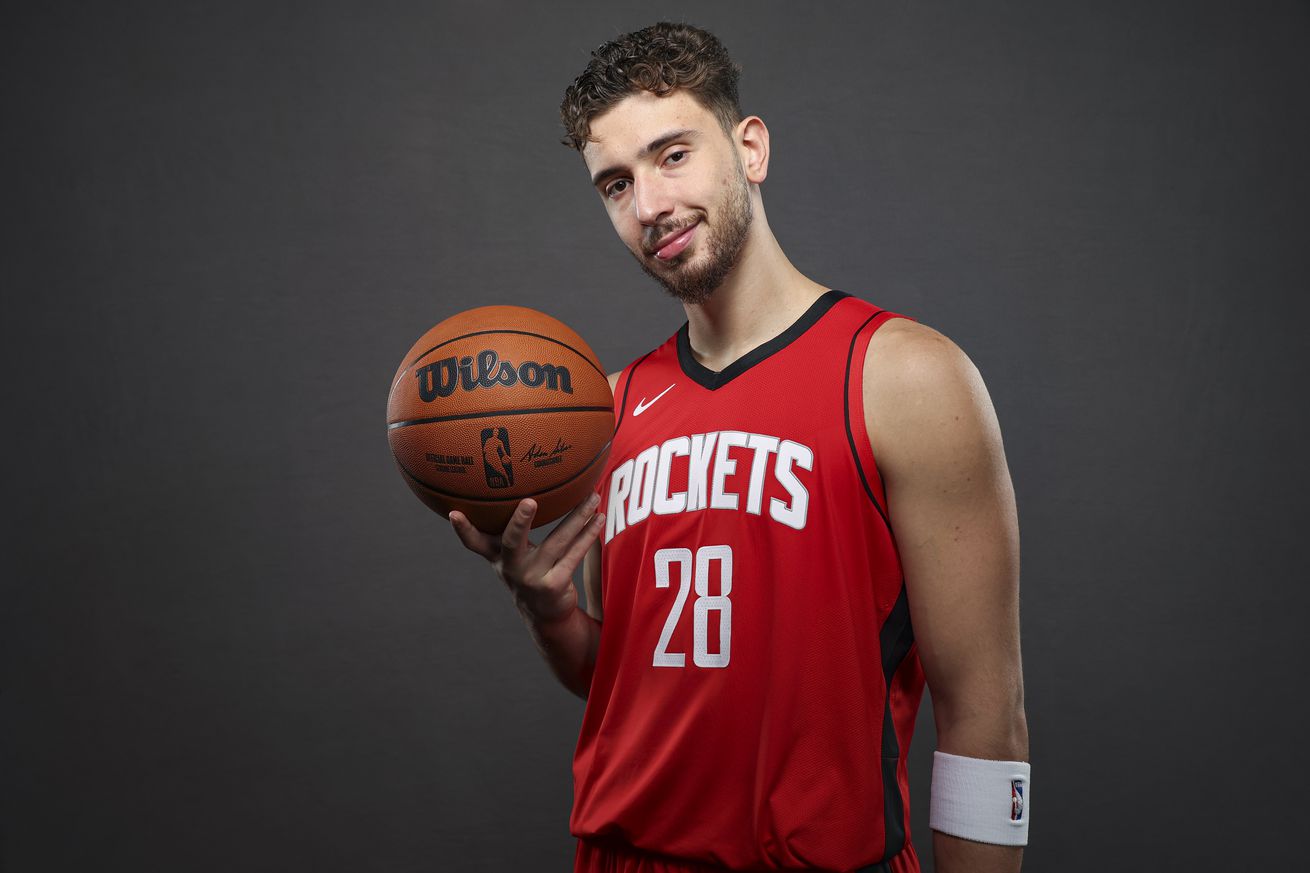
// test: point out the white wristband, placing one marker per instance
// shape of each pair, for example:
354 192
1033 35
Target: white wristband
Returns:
980 800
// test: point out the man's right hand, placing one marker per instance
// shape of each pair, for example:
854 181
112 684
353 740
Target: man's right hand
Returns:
540 577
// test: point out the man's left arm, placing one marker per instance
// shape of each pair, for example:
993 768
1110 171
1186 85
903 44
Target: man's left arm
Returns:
951 504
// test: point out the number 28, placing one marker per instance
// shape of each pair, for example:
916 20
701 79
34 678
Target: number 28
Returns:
665 559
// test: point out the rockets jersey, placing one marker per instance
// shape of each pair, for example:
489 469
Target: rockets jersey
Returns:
756 682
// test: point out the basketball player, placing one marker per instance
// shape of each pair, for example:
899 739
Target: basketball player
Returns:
806 511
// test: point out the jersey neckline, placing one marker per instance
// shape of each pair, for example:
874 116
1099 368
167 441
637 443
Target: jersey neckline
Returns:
712 380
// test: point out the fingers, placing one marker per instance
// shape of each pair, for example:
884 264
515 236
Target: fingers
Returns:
515 538
473 539
513 542
577 549
563 534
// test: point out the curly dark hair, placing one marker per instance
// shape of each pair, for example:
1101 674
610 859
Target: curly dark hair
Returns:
658 59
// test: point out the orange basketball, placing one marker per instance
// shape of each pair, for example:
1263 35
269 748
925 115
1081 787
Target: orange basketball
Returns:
496 404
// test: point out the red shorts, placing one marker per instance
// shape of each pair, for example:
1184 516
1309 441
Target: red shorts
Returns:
609 858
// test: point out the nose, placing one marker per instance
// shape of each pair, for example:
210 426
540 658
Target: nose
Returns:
652 199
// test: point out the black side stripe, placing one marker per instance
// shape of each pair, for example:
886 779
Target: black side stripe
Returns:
623 405
894 641
850 437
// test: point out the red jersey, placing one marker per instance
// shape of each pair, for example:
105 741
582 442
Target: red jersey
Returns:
757 680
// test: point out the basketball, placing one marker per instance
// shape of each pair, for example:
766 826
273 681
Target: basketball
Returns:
496 404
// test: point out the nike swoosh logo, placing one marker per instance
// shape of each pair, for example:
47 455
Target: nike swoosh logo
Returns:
643 405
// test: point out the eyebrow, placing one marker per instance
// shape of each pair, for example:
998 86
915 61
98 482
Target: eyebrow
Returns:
652 146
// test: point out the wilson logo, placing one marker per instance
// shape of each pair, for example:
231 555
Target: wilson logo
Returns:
442 378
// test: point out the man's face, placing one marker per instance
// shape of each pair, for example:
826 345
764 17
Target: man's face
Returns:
673 185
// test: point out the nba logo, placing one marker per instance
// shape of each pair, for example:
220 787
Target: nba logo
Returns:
1016 800
496 461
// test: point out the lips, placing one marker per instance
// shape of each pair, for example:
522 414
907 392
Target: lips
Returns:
673 244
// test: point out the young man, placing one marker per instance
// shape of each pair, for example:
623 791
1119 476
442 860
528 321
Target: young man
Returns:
806 511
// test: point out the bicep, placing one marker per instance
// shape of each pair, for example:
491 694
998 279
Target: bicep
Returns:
952 509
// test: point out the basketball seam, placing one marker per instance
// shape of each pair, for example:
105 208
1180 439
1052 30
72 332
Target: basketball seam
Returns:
409 422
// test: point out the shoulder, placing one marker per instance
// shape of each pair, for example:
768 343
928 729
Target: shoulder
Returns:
614 380
904 355
924 400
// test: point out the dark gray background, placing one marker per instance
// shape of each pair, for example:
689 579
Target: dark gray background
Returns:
233 640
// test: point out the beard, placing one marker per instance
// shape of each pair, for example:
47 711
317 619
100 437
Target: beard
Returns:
693 284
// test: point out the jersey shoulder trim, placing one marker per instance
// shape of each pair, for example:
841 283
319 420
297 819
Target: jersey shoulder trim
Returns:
857 434
625 379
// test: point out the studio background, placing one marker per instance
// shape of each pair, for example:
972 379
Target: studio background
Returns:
233 640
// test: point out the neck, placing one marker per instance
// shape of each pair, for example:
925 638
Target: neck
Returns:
758 300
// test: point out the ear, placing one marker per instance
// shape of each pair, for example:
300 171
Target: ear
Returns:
752 139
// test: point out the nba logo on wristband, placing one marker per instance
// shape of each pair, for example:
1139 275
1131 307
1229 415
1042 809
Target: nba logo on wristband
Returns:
1016 800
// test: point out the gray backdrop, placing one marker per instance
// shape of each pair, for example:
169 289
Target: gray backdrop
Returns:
233 640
